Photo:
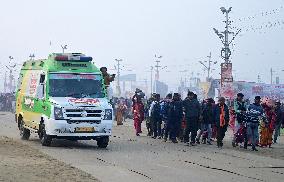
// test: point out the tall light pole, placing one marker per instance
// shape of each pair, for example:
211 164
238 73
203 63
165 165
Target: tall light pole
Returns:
157 66
224 36
10 59
63 48
118 75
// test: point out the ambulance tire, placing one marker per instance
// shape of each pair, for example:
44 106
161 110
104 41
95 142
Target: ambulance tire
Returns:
44 138
103 142
24 133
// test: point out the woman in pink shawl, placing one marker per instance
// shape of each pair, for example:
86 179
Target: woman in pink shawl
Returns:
138 113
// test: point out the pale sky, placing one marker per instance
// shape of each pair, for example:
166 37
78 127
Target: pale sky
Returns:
136 30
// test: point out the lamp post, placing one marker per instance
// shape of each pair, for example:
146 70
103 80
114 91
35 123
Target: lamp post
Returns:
32 56
157 66
118 76
63 48
224 36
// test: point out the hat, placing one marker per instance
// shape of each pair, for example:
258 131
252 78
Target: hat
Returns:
240 95
170 95
210 100
190 93
176 94
257 98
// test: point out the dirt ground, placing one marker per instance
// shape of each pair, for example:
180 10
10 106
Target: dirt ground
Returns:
20 162
129 158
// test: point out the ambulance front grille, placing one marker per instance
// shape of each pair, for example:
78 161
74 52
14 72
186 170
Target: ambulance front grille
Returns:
79 113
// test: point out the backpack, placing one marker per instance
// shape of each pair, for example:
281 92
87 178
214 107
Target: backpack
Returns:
165 109
156 112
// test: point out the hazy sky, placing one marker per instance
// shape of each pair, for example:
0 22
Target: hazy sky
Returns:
136 30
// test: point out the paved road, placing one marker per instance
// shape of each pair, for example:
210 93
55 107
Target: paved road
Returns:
131 158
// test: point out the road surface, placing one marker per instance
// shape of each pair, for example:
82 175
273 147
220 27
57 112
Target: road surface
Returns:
129 158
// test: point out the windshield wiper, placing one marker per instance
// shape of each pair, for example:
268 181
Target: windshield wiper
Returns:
73 95
89 94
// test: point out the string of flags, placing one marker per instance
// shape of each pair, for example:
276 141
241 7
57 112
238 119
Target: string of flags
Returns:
262 14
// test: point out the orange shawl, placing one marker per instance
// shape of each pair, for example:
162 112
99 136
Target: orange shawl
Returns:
222 116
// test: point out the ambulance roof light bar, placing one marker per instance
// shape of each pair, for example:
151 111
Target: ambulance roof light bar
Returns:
72 57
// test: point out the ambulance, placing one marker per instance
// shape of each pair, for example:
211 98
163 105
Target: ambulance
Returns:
63 97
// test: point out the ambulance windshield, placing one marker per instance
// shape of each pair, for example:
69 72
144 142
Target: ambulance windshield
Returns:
75 85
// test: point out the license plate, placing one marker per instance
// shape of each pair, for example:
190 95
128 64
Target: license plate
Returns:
85 129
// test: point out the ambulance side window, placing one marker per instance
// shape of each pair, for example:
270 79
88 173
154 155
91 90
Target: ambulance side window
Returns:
40 89
42 79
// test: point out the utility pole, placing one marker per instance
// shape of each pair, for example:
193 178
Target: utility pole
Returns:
258 79
5 83
157 66
224 36
118 75
152 68
271 75
11 77
208 68
63 48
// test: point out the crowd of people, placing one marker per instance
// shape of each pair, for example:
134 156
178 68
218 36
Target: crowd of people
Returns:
7 102
193 122
122 109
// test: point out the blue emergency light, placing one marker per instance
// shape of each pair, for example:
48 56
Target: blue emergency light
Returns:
73 58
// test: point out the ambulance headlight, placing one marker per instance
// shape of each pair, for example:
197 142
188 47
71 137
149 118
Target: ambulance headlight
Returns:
58 113
108 114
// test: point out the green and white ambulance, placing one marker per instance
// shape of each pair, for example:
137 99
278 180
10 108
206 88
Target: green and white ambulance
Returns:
63 96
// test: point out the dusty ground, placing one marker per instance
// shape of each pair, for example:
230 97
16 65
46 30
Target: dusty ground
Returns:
19 162
132 159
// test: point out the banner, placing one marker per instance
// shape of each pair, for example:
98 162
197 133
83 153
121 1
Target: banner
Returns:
251 89
205 87
227 90
226 72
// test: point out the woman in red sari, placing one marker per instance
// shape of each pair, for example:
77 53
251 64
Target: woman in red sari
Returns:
138 113
267 127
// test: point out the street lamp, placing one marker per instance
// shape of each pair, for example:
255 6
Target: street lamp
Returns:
118 76
63 48
32 56
10 57
225 11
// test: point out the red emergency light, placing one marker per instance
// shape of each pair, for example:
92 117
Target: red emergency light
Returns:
71 58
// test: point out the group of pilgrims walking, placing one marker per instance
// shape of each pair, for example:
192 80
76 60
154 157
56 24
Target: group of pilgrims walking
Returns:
191 122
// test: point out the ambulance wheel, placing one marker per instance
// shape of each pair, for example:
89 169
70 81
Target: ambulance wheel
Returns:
24 133
44 138
103 142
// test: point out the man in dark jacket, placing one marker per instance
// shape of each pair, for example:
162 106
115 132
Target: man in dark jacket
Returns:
221 117
278 122
192 112
165 111
175 117
155 114
207 120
